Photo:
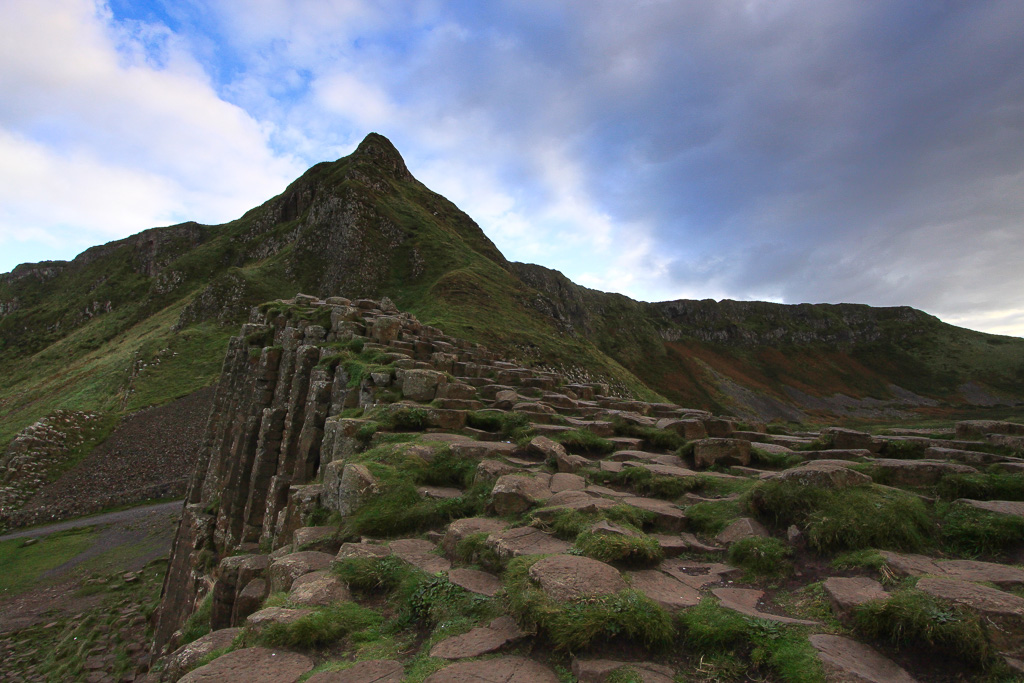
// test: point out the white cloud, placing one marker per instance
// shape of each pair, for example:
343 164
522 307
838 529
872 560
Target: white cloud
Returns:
114 129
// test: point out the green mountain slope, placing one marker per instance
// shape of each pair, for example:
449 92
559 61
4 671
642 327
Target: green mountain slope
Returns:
145 320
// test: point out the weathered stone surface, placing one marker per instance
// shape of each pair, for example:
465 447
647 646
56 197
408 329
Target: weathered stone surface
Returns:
824 475
474 581
849 438
668 515
186 657
369 550
988 601
525 540
918 472
722 452
847 661
599 670
492 470
322 538
249 600
369 671
420 554
516 493
543 448
907 564
746 600
688 429
252 665
846 594
461 528
482 450
976 429
319 588
1014 508
502 670
563 481
570 462
347 486
744 527
567 577
645 457
665 590
420 385
274 615
479 641
290 567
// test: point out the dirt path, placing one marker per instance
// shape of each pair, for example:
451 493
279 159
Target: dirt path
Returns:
118 517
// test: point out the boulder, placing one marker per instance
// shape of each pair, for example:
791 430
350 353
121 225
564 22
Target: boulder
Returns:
525 540
420 554
269 616
563 481
252 665
492 470
846 594
322 538
663 589
187 657
847 660
688 429
824 475
420 385
319 588
516 493
479 641
462 528
284 571
721 452
849 438
355 486
249 600
475 581
567 577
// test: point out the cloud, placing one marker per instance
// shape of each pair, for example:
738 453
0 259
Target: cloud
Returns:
109 128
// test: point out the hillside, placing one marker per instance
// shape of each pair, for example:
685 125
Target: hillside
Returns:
146 319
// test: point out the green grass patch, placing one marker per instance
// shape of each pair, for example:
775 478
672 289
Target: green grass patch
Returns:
584 442
911 618
22 566
640 550
321 627
845 519
967 531
473 549
981 486
198 623
779 461
761 557
646 483
711 517
575 624
868 558
512 426
652 437
903 450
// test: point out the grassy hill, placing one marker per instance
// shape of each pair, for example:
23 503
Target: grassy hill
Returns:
144 320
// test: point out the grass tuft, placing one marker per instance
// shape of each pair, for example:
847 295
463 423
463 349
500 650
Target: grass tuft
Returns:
640 550
323 626
761 556
967 531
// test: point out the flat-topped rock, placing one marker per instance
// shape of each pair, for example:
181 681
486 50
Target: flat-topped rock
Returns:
982 599
420 554
668 515
976 429
1014 508
746 601
475 581
908 564
966 457
268 616
824 475
319 588
847 661
364 550
525 540
722 452
564 481
567 577
481 450
600 670
369 671
918 472
846 594
669 592
516 493
320 538
252 665
662 470
285 570
188 656
479 641
849 438
501 670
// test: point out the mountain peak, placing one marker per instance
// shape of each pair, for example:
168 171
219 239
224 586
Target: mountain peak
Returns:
378 150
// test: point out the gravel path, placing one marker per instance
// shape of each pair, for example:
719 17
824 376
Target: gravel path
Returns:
129 515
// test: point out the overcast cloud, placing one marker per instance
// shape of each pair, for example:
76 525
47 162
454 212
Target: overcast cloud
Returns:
810 150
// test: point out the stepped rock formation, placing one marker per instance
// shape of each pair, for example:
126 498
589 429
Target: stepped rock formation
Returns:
348 441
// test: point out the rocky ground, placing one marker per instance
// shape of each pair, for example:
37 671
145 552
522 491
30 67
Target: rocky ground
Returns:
85 619
464 519
149 455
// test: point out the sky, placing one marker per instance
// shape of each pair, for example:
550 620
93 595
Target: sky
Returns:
794 151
